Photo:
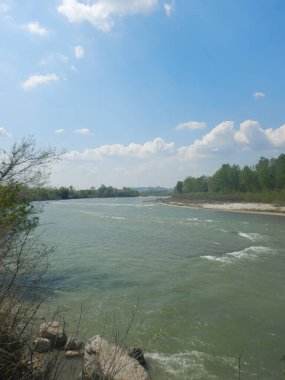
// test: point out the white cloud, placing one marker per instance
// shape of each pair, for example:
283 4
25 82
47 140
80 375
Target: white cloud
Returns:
157 162
276 136
4 133
168 8
219 140
58 131
191 125
258 95
38 80
100 13
149 148
35 28
78 51
253 136
225 139
84 132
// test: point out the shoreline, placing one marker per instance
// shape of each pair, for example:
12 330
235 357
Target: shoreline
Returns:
240 207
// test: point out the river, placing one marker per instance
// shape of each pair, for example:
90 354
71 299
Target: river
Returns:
205 286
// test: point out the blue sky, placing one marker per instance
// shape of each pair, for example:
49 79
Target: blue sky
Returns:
143 92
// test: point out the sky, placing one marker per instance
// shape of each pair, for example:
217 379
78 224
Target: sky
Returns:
143 92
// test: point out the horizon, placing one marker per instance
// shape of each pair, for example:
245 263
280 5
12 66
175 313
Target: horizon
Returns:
145 93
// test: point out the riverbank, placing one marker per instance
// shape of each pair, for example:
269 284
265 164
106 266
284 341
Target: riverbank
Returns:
245 207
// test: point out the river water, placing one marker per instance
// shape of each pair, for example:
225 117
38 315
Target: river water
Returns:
205 286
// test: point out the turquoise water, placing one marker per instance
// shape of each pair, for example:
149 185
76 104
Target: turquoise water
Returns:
207 285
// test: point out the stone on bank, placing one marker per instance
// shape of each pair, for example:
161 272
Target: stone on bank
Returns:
107 360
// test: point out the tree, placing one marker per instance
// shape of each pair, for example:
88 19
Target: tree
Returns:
248 180
188 185
265 174
178 187
226 179
22 260
279 172
26 164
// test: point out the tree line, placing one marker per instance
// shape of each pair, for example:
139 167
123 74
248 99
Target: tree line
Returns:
268 175
54 193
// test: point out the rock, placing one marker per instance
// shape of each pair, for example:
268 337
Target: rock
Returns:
41 345
137 353
73 354
39 367
54 332
73 344
108 361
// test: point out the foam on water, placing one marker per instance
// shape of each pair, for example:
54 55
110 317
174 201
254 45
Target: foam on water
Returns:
221 259
181 365
251 236
100 215
247 253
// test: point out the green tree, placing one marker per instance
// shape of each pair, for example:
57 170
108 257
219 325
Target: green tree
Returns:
279 172
248 180
22 259
178 188
265 174
188 185
226 179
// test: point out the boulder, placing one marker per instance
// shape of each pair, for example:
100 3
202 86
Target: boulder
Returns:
73 354
73 344
41 345
108 361
40 367
54 332
137 353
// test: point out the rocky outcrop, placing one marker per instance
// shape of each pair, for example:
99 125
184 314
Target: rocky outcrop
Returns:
41 345
137 353
73 344
108 361
39 367
54 332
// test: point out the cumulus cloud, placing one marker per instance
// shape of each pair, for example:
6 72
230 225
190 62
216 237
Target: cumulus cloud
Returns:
191 125
252 135
223 140
38 80
168 8
218 141
101 13
35 28
276 136
149 148
58 131
159 162
4 133
226 139
258 95
84 132
78 52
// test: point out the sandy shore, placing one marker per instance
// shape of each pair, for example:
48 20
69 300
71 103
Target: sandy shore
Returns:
262 208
